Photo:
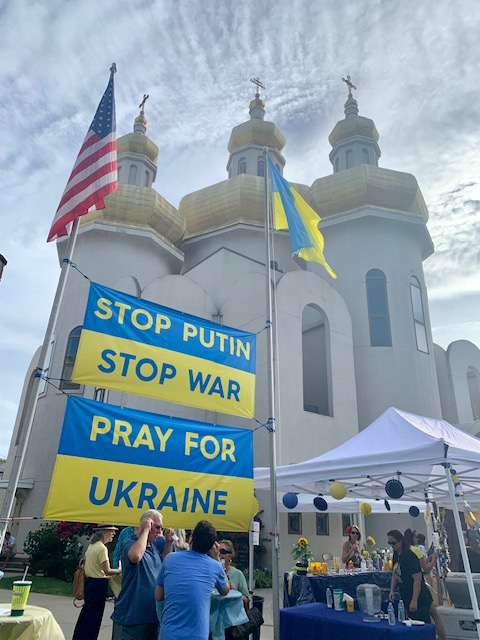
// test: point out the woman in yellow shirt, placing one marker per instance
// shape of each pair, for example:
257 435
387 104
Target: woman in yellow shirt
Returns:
97 570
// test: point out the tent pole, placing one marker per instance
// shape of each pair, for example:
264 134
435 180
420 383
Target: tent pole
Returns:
463 547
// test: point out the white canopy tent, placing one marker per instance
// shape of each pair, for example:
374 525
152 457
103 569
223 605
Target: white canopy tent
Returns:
422 452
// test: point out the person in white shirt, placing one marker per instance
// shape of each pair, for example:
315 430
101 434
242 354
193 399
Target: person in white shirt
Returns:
9 549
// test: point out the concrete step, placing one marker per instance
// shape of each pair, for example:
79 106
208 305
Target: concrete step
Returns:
16 564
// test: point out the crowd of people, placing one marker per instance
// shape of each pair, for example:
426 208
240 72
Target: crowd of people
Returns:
152 574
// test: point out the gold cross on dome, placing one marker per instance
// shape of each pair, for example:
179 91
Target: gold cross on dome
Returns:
142 104
350 85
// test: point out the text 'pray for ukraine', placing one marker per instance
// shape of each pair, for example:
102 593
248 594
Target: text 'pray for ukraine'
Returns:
142 348
114 463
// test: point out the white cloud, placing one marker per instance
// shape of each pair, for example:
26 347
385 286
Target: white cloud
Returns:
414 63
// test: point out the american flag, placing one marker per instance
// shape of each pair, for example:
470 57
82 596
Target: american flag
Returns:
94 174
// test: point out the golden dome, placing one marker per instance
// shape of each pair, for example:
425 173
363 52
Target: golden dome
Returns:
140 208
256 131
233 201
353 126
138 142
367 186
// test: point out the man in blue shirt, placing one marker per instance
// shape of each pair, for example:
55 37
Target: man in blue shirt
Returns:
135 616
185 582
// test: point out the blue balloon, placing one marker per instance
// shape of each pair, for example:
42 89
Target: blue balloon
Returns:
290 500
320 503
414 511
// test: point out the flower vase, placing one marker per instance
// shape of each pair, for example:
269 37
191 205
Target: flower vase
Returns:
301 568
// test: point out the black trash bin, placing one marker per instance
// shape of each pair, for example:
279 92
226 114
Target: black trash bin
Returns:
258 603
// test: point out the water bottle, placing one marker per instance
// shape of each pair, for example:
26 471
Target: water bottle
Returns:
329 598
401 611
391 614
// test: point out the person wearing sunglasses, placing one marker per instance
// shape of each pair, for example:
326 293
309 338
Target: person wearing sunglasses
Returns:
351 547
407 574
235 576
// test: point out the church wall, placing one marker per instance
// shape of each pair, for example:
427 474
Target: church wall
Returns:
399 375
461 355
447 399
303 434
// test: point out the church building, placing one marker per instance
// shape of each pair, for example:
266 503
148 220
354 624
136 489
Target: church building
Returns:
346 349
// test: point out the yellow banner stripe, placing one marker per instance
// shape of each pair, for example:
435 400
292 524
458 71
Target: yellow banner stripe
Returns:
225 389
183 497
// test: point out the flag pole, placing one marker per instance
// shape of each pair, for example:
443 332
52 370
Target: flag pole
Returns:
26 421
83 192
271 410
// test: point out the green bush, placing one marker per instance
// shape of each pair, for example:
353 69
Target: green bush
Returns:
54 555
262 577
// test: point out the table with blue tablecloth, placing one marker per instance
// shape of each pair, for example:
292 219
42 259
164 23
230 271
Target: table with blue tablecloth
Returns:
313 587
318 622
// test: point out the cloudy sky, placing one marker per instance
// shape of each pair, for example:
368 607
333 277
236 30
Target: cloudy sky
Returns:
415 65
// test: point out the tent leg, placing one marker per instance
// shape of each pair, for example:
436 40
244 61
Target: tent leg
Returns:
463 548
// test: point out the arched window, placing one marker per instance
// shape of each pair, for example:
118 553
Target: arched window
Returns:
418 315
242 166
70 355
119 172
349 159
260 167
336 164
474 391
378 314
132 174
147 179
366 158
316 362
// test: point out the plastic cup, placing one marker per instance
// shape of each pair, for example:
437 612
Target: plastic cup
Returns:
21 589
350 605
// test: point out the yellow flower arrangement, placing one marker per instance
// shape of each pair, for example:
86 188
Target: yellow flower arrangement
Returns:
301 551
368 549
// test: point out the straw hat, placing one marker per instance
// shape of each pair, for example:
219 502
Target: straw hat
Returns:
105 527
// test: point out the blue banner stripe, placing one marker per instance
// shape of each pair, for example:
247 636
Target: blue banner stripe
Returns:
100 431
146 322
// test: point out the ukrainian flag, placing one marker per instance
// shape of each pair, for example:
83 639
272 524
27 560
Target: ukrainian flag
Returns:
293 213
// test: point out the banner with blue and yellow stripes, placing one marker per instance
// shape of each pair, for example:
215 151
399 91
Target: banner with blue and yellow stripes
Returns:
139 347
114 463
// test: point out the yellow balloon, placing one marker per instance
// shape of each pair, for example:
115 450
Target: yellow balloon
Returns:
338 490
365 508
256 506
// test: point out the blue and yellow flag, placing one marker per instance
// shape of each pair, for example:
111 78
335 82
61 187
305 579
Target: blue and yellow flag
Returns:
293 213
114 463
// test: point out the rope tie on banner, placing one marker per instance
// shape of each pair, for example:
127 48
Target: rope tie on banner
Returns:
74 266
268 325
48 380
265 425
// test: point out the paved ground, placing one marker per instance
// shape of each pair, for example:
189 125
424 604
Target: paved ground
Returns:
66 614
